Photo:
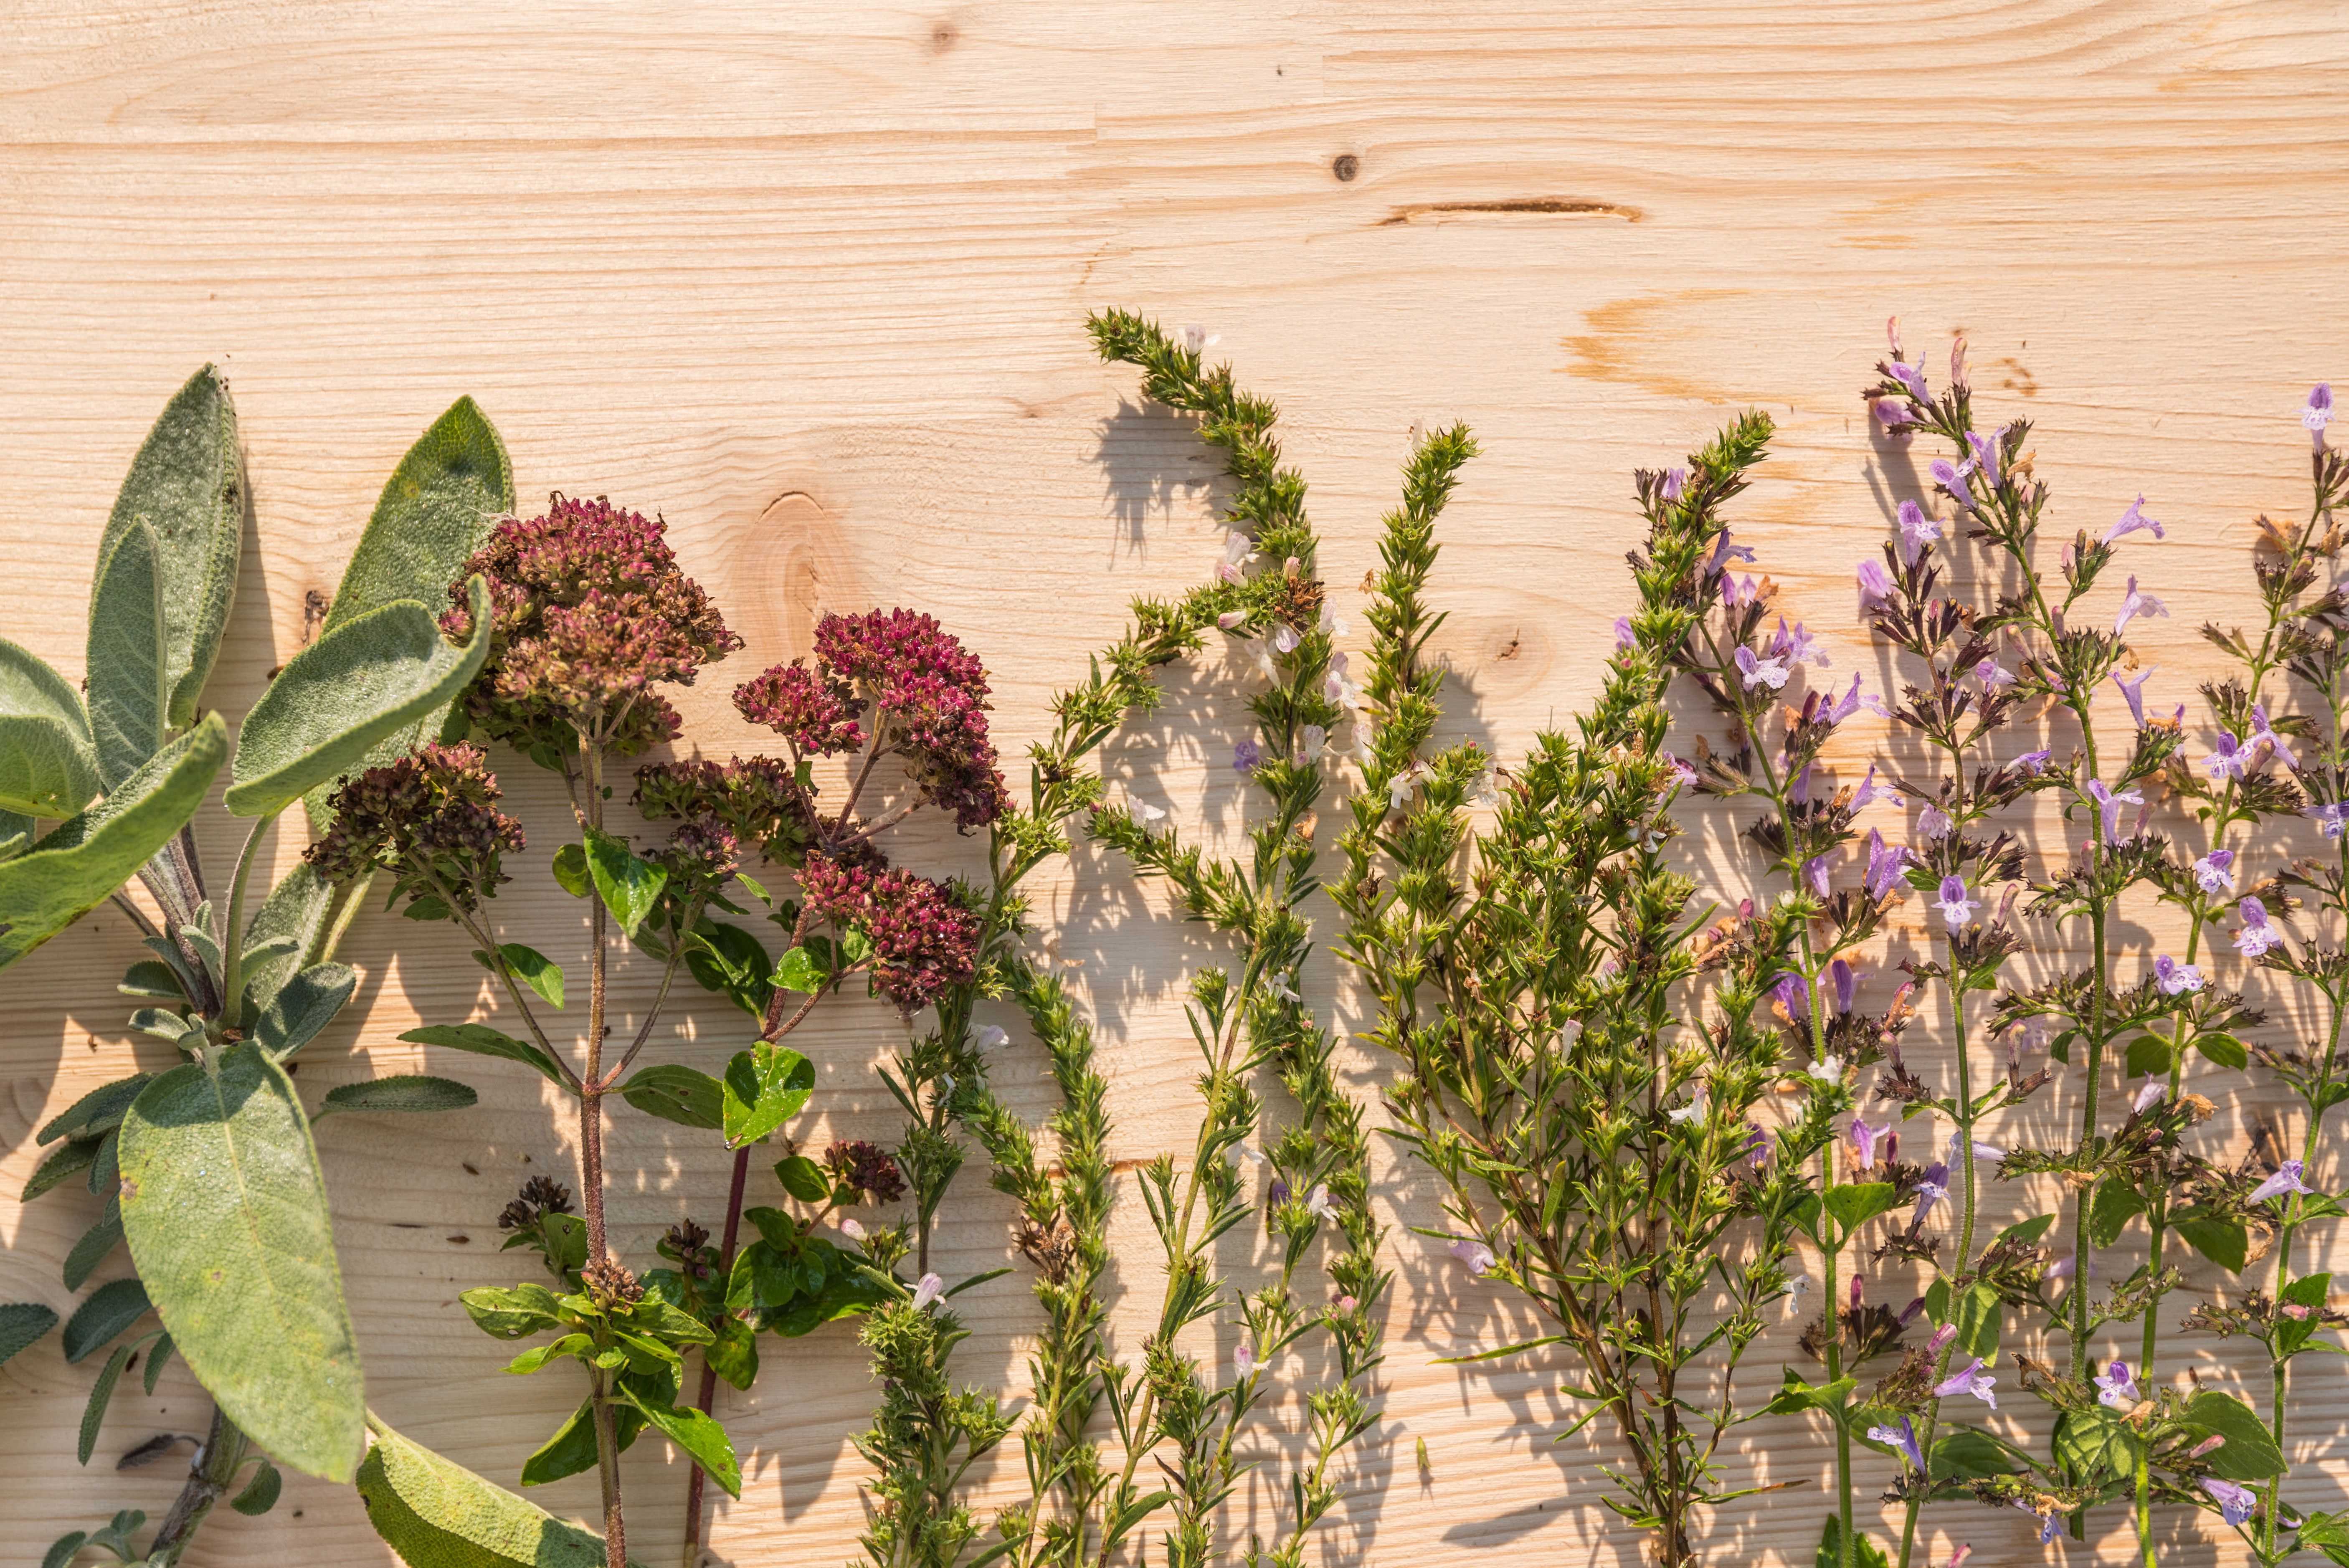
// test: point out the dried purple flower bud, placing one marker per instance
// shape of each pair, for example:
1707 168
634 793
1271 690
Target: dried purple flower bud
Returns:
866 1167
610 1284
924 940
427 819
753 801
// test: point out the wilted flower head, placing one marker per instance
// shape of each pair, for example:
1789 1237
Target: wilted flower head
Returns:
924 940
427 818
588 612
539 1198
610 1284
815 709
866 1167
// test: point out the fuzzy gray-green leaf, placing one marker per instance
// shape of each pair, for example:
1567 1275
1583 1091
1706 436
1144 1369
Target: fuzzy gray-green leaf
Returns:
127 669
304 1006
402 1091
296 909
185 485
85 859
226 1213
104 1314
22 1325
49 766
432 1510
434 512
365 680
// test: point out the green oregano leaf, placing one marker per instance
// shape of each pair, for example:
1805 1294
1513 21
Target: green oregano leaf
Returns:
629 886
529 965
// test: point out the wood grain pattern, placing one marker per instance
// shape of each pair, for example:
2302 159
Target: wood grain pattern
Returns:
811 281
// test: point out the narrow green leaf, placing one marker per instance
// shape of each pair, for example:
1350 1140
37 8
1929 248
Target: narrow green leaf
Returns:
226 1213
405 1091
628 886
48 761
260 1493
65 1549
357 685
764 1086
532 967
94 1112
48 887
22 1325
432 1512
157 1358
128 674
676 1093
702 1438
95 1245
186 486
93 1414
483 1041
78 1155
104 1314
297 910
303 1006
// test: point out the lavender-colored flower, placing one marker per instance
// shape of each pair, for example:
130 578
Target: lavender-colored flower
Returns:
2136 602
1891 414
2210 1445
1285 639
2215 870
1870 791
1958 371
2287 1180
2256 935
1985 451
2135 692
1875 586
2110 804
1245 755
1769 671
1955 906
2031 762
2263 734
1797 647
1473 1252
1244 1359
1885 863
2132 521
1624 636
927 1290
2318 413
1238 548
1917 528
1969 1380
1694 1110
1815 874
2047 1522
1863 1141
1758 1146
1912 379
1845 981
2330 817
2116 1387
1312 739
1901 1439
2176 979
1994 675
1952 479
1316 1201
1682 773
1724 551
1675 483
2227 761
1794 995
1932 1186
2236 1503
1828 1069
2151 1094
1939 1338
1933 823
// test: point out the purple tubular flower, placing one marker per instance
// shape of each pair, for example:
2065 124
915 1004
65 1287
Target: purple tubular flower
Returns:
1952 479
2330 817
2263 734
1969 1380
1864 1140
1932 1186
1911 379
1846 980
1792 994
2236 1503
1675 483
1758 1146
2109 804
1955 906
1757 671
2257 936
2226 762
2287 1180
1869 790
1623 634
1933 823
1917 530
1797 647
2132 521
1940 1337
1994 675
1723 553
1681 772
2031 762
2318 413
1902 1439
2047 1522
1875 586
2176 979
1814 872
1884 865
2215 870
2115 1388
1473 1252
1986 453
2135 692
1245 755
2135 603
1891 414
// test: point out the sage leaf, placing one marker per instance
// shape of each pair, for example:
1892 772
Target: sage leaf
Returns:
78 1154
678 1094
484 1041
433 513
702 1438
185 486
96 1112
405 1091
764 1086
22 1325
95 1245
529 965
260 1493
93 1414
629 887
367 679
49 764
104 1314
157 1358
297 910
128 670
430 1509
153 978
226 1214
84 860
303 1006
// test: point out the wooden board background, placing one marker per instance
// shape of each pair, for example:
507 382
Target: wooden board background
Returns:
811 280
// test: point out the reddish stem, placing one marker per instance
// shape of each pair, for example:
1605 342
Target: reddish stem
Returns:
709 1376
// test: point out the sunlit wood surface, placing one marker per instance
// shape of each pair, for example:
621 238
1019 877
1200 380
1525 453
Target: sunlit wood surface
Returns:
811 281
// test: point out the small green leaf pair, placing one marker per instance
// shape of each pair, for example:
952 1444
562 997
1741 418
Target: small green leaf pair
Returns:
763 1087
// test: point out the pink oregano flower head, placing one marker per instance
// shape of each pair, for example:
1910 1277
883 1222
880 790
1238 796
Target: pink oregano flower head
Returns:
924 940
588 613
754 802
429 819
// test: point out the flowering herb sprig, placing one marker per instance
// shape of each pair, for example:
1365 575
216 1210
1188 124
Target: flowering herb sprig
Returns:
2263 770
1591 1134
